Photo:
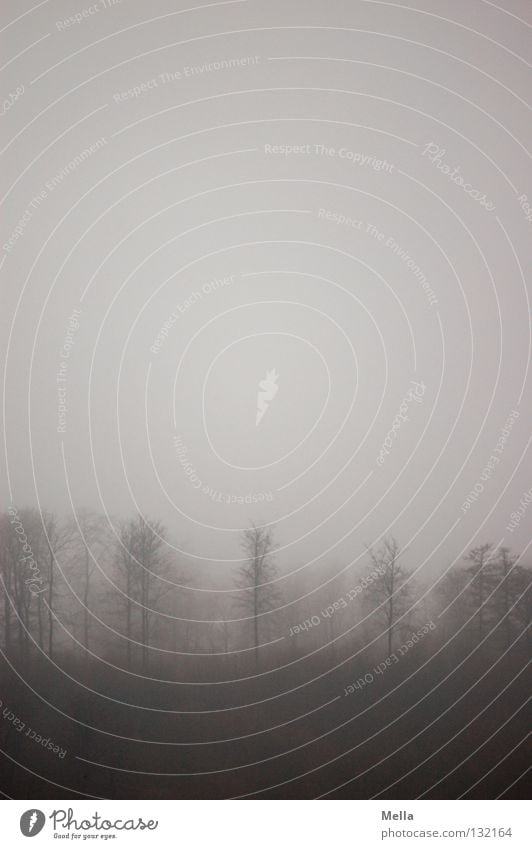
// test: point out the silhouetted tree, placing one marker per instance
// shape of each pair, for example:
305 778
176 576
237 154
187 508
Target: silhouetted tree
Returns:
58 538
506 595
142 562
390 590
23 577
522 611
257 578
90 541
483 577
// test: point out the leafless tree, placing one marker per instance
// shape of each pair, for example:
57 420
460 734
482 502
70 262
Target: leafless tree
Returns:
16 594
517 598
483 577
57 540
524 607
90 541
22 568
505 595
141 561
256 578
390 590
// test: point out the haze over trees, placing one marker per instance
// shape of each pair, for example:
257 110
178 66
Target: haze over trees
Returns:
259 595
391 591
116 650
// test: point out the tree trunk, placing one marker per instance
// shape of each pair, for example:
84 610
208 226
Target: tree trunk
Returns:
256 616
7 624
391 609
40 622
481 604
145 621
86 606
128 616
50 604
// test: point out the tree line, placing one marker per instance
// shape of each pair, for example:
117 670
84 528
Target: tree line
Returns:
81 585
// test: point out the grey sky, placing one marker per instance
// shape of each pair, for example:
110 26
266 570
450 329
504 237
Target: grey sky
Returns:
191 183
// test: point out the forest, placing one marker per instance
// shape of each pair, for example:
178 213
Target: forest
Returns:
130 672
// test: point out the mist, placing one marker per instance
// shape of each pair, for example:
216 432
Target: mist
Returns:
265 334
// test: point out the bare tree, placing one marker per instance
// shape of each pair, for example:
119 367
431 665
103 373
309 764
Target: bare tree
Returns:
505 596
16 594
513 596
141 561
523 609
390 589
21 569
256 577
90 541
58 538
482 571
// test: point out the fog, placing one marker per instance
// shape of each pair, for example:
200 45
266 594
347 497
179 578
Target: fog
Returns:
265 330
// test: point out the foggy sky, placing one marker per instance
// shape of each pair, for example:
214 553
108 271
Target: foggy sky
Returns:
185 190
